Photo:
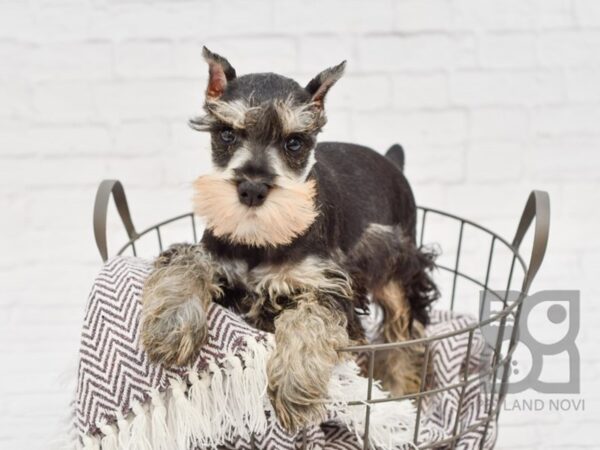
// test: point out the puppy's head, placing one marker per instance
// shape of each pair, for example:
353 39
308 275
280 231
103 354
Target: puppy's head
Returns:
263 134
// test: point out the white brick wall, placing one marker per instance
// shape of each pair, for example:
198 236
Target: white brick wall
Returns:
490 99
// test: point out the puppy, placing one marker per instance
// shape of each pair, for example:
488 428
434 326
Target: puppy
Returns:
299 238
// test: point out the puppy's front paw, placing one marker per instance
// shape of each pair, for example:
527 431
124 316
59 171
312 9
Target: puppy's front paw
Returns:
174 302
307 338
173 334
297 392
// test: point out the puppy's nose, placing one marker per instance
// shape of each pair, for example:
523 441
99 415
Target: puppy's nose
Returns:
252 193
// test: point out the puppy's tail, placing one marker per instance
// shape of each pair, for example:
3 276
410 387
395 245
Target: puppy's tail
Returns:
396 154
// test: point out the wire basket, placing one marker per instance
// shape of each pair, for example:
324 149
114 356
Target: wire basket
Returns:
474 259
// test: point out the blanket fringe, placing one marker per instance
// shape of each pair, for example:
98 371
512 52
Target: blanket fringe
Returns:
161 437
110 440
91 443
140 428
182 417
203 409
199 398
124 427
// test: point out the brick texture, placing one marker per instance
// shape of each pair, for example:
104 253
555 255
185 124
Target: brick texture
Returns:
490 99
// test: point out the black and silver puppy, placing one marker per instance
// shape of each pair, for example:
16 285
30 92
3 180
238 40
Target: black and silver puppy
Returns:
299 238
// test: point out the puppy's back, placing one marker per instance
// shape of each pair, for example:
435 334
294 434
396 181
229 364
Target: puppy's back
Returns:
360 186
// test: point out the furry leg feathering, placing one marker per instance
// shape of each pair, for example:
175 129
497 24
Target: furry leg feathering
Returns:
306 338
175 298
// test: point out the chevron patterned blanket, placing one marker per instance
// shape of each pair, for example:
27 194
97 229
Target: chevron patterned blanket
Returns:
123 401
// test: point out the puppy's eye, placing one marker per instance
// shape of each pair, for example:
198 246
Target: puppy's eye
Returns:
293 144
227 136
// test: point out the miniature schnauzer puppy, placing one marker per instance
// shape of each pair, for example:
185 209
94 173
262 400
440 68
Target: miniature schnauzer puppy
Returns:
299 238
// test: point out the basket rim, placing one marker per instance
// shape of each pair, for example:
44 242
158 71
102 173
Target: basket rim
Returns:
425 209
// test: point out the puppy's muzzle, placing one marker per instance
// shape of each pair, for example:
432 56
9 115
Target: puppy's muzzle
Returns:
252 193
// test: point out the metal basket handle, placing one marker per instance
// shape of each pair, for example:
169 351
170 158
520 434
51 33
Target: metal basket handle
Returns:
538 208
106 188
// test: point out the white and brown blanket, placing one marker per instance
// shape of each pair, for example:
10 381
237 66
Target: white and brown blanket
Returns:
123 401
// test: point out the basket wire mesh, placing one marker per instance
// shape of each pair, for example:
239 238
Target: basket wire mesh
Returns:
495 375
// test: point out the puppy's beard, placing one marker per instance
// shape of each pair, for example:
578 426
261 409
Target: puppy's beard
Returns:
287 212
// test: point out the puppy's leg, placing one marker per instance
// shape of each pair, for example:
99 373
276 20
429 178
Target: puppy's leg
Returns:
400 369
307 338
174 302
406 298
396 271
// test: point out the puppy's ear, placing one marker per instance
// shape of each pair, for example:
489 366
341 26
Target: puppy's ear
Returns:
220 73
320 85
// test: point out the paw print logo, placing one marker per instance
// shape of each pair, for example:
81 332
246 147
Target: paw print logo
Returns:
546 358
